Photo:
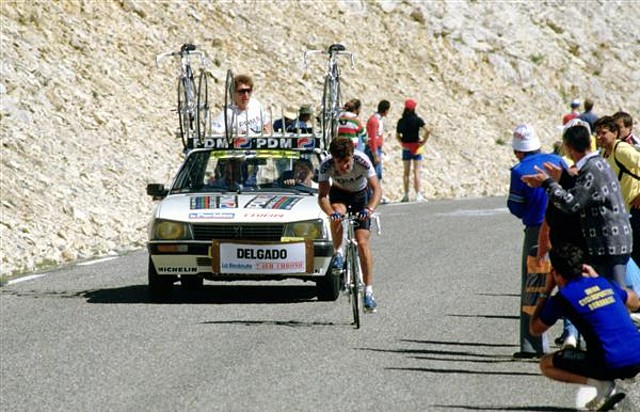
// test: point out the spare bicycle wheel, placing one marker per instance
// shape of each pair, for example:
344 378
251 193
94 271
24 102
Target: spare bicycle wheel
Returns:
186 96
229 90
203 113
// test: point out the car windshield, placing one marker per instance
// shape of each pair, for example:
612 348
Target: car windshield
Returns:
239 171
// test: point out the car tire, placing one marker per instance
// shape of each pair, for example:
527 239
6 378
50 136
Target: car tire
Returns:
160 287
328 288
191 282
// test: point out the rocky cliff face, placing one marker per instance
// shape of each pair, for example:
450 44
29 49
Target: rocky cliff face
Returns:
87 119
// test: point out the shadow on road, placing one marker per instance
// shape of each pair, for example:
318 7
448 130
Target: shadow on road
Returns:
507 408
289 323
208 294
483 316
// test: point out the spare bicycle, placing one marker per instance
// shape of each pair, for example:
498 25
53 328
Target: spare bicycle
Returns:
193 101
331 99
352 281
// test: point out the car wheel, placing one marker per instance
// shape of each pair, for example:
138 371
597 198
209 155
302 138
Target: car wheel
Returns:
160 287
191 282
328 288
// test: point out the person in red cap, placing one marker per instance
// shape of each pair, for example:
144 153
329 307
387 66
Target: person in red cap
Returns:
408 132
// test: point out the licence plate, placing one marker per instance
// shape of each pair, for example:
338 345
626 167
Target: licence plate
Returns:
233 257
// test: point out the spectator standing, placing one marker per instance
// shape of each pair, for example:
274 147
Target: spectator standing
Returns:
302 123
528 204
412 134
288 116
349 125
588 115
575 105
245 114
596 198
625 125
624 161
600 309
375 132
560 228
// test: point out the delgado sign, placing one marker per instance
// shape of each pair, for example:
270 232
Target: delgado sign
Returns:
262 258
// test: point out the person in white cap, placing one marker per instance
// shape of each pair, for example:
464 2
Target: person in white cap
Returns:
575 112
528 204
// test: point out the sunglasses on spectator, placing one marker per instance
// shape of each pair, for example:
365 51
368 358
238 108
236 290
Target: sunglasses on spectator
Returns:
243 91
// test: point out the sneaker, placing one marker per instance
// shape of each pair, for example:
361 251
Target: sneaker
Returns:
370 305
384 200
606 399
570 342
405 198
421 199
338 261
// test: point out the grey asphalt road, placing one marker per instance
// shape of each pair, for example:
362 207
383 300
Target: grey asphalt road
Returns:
84 337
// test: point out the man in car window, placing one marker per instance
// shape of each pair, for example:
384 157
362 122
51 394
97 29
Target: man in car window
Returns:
245 114
347 179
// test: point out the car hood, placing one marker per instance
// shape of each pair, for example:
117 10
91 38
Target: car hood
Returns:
233 207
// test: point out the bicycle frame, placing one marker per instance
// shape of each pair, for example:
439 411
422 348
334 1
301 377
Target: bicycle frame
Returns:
188 94
331 105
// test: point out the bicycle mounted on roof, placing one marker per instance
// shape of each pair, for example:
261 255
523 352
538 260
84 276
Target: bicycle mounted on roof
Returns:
193 102
331 98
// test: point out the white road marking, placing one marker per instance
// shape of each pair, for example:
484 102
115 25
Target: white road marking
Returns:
583 395
476 212
93 262
24 279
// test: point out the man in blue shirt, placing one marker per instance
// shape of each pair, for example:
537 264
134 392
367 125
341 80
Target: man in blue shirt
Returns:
599 309
528 204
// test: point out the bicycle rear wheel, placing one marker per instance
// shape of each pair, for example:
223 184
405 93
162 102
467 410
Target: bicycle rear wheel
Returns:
186 94
354 287
330 109
203 120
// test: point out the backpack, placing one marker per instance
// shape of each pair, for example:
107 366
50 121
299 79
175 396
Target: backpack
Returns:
622 167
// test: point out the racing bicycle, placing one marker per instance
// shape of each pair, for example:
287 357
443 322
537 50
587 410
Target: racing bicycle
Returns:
331 105
193 100
353 282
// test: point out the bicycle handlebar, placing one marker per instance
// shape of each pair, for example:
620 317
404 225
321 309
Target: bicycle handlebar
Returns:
353 217
328 53
181 53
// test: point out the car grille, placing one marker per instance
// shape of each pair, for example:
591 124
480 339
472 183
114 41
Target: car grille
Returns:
269 233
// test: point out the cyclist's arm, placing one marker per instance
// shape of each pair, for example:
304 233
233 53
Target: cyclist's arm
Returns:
323 197
376 192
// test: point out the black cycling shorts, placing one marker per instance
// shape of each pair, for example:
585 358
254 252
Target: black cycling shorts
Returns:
354 200
576 361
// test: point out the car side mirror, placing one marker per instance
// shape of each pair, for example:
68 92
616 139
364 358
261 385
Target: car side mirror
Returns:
157 191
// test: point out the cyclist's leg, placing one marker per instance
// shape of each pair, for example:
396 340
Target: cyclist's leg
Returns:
363 237
339 202
358 202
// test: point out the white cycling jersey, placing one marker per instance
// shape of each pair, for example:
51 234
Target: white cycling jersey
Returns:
247 121
355 179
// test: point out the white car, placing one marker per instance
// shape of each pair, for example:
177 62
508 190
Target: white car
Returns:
242 210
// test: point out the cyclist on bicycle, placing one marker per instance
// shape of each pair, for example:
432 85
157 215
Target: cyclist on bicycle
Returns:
354 184
247 114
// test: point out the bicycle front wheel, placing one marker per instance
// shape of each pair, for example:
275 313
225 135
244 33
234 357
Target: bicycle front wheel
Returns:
330 108
186 94
354 286
203 120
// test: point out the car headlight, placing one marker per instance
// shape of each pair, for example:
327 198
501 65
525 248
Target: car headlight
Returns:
168 230
311 229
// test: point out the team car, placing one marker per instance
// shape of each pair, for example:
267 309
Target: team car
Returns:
242 208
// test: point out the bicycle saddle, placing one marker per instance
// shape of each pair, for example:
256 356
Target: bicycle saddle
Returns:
336 47
187 47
